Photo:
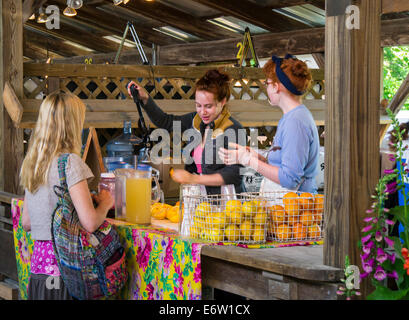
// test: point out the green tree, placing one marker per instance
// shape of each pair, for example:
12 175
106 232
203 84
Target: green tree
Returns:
395 70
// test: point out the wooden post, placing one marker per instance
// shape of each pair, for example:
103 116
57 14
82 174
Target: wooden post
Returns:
12 148
352 75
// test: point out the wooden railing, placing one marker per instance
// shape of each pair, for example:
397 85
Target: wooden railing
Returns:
104 87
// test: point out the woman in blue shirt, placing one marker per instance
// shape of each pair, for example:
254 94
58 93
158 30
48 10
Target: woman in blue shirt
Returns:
292 161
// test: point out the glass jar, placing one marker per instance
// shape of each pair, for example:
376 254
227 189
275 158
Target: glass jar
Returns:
107 182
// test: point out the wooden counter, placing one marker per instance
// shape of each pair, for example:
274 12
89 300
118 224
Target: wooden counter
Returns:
276 273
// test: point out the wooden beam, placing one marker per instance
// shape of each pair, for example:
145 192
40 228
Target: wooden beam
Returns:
12 151
133 71
178 19
394 6
400 96
254 14
394 33
86 39
277 4
319 59
12 104
51 43
30 7
38 53
352 76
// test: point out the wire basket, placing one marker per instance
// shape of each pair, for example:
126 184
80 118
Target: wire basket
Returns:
241 218
294 215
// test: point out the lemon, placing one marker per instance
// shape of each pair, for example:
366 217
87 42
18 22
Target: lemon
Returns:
260 218
258 235
158 211
217 220
195 231
215 234
198 222
246 230
233 206
232 232
203 209
248 208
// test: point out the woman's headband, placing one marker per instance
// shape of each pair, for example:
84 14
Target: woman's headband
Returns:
283 77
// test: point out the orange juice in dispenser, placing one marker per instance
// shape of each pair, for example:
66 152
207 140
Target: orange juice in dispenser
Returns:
139 195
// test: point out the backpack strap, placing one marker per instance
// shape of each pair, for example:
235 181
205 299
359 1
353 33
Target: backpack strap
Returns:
62 190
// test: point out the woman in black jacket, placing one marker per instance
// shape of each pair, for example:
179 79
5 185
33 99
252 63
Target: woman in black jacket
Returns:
215 128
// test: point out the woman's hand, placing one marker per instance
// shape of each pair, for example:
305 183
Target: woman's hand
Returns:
183 177
237 155
143 94
104 199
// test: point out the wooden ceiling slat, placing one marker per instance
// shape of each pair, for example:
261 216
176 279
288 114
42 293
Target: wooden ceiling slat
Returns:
255 14
395 6
178 19
50 43
78 36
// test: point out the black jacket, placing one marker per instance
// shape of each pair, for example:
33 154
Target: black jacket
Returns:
224 130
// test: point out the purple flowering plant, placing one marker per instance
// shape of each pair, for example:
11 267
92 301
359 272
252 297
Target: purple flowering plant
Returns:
381 253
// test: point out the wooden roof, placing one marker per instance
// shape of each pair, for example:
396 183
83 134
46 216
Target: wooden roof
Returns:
271 21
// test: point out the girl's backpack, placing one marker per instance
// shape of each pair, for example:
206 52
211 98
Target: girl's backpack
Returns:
92 265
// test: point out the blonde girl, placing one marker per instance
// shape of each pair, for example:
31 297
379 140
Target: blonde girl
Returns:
57 131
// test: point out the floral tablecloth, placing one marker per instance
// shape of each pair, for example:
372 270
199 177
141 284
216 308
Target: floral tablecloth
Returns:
161 265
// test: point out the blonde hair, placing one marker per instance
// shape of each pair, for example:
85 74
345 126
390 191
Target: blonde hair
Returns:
58 130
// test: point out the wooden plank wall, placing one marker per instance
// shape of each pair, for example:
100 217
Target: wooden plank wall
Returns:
352 130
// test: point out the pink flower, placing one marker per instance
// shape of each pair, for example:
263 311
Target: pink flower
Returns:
380 274
393 275
366 238
368 247
367 266
390 222
368 219
389 241
367 228
389 171
169 254
381 256
378 236
369 211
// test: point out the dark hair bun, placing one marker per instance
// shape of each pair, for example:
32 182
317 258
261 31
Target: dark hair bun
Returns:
300 69
216 76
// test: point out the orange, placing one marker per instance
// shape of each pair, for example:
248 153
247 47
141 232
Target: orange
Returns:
299 231
314 231
307 218
319 203
292 219
282 232
291 198
306 200
318 218
277 213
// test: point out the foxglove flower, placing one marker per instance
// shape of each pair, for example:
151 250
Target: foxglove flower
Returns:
392 257
393 275
381 256
367 266
367 228
389 241
366 238
380 274
378 236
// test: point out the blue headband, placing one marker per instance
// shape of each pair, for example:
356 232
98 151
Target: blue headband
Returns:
283 77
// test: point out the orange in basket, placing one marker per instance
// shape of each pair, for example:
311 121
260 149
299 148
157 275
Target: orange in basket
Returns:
277 213
314 231
319 203
318 218
292 219
306 200
282 232
307 218
299 231
291 203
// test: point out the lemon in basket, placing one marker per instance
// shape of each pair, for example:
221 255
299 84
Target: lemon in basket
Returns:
246 230
198 222
260 218
248 208
216 220
195 231
203 209
215 234
259 235
232 232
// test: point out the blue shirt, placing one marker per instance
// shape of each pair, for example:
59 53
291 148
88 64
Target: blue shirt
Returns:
297 136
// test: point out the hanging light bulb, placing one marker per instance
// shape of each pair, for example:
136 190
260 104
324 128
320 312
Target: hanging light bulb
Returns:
75 4
126 1
117 2
69 12
32 17
42 18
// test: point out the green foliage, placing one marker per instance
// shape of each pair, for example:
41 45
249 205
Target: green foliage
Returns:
395 70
